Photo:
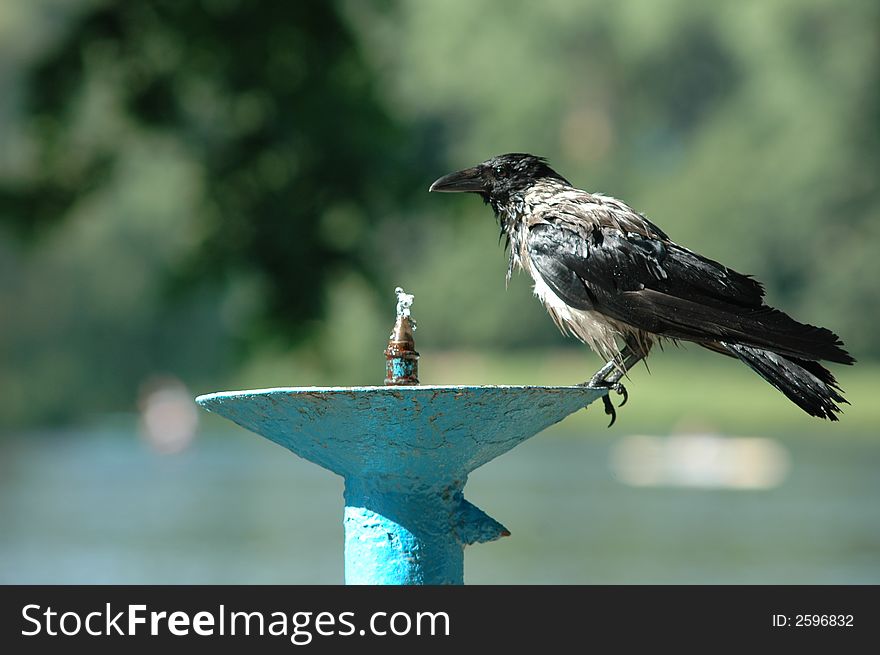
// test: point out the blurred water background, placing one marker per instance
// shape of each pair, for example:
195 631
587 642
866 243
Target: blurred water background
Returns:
203 195
100 507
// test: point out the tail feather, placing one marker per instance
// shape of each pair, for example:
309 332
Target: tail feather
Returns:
806 383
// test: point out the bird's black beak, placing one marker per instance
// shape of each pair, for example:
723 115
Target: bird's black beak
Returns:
470 179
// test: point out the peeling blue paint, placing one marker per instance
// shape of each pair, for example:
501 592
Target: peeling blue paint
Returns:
405 453
400 368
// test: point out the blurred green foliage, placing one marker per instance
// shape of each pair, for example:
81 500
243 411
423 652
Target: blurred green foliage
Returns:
228 190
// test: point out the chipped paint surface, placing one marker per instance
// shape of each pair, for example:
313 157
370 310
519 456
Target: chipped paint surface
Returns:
405 453
399 370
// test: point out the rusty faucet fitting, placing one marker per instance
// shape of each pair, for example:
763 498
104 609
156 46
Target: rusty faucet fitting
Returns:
401 358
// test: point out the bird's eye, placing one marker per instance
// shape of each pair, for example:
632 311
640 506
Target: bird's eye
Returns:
501 171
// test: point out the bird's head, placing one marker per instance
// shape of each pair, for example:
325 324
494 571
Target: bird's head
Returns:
499 178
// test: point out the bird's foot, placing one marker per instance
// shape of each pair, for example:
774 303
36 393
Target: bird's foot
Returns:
617 387
608 377
598 380
606 400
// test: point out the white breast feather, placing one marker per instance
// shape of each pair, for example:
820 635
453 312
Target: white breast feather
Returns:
594 329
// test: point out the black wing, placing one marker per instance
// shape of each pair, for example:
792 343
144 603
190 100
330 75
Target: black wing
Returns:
653 284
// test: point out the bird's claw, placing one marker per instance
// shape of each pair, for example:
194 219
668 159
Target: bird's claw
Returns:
599 381
609 409
609 406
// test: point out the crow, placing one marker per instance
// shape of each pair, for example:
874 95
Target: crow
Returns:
617 282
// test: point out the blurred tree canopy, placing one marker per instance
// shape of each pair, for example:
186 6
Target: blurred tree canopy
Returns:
186 181
274 103
187 177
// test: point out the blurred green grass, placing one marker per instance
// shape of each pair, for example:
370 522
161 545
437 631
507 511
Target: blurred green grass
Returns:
683 390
